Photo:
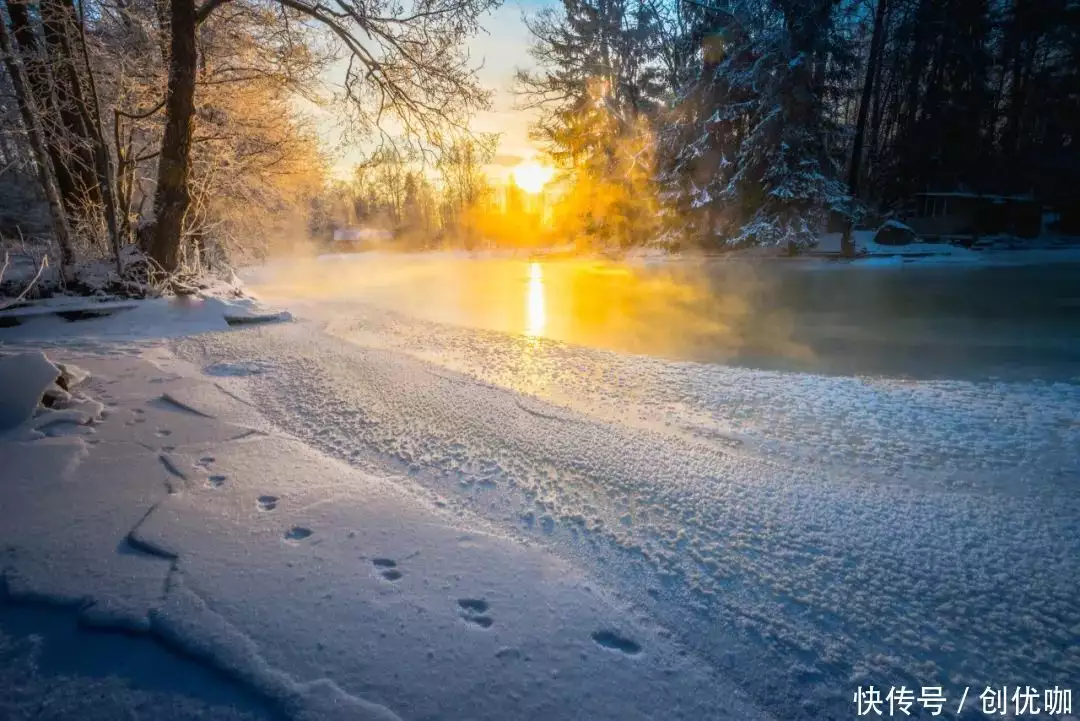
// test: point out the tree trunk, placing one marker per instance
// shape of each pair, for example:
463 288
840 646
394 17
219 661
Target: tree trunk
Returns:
867 94
172 197
846 247
46 172
917 65
40 84
125 179
877 114
57 17
90 111
1023 67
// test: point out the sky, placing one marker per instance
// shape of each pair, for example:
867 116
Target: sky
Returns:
501 49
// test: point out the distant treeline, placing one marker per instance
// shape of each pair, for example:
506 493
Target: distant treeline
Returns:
762 116
168 134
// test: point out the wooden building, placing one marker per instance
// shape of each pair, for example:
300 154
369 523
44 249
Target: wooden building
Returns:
970 215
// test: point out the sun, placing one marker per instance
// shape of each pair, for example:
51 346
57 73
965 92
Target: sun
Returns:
531 176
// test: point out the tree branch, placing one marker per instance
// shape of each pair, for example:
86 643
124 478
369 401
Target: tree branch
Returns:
142 115
33 281
208 7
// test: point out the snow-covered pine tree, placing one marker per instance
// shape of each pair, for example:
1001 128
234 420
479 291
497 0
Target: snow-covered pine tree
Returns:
709 121
599 87
761 163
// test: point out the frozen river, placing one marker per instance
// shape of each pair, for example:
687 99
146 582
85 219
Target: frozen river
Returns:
817 478
489 489
907 320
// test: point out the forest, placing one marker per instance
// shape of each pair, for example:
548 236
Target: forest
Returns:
753 121
166 136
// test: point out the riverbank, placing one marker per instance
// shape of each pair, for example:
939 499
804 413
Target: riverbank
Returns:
167 508
541 523
23 286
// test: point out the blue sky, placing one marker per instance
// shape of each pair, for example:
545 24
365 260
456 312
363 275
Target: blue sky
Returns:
502 48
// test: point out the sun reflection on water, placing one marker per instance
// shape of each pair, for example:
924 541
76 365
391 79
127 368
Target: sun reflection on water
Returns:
535 307
680 310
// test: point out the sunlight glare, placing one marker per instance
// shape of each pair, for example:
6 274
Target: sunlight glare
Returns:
535 308
532 177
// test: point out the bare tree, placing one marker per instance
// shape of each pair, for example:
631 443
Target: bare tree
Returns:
172 197
876 42
66 136
464 182
854 169
46 172
407 67
461 166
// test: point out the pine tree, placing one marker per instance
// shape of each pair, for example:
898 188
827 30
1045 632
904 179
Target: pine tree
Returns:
763 165
709 123
600 85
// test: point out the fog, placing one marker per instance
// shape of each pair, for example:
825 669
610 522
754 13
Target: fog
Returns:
679 310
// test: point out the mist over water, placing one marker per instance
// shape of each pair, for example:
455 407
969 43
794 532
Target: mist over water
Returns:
906 321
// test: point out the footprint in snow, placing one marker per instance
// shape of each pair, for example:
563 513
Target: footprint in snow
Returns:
216 481
508 653
267 503
388 568
615 642
474 610
297 534
473 605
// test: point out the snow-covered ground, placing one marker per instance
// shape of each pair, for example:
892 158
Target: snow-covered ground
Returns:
168 506
991 251
363 513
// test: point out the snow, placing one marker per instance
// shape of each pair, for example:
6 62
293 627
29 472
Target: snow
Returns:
864 243
363 514
872 254
809 513
23 378
325 591
122 321
893 223
357 234
51 669
66 304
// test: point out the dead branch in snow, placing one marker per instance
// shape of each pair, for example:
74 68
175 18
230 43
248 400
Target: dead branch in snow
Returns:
33 281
